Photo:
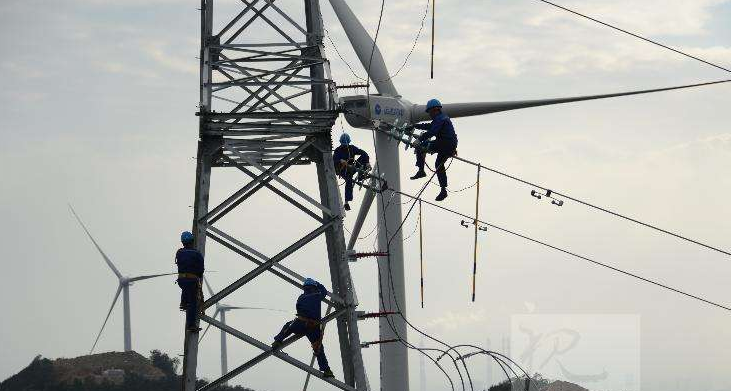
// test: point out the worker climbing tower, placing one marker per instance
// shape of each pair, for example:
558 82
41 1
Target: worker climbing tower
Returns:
267 103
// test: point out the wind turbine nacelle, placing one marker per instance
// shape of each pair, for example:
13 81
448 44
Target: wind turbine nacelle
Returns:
384 108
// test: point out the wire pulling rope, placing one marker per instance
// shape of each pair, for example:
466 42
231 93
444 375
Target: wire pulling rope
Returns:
388 321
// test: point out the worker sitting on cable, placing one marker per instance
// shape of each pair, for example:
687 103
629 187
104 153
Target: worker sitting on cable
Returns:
348 159
190 273
444 144
308 322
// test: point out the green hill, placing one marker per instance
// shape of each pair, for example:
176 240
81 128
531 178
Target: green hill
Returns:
114 371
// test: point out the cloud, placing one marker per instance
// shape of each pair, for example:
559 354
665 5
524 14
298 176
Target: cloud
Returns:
649 17
156 50
536 39
122 69
690 155
22 71
453 321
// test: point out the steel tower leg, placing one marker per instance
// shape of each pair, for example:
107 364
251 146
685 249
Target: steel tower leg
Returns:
353 370
127 321
207 147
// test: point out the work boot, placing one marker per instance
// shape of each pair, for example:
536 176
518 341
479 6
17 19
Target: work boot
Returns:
419 174
442 194
277 344
347 206
327 373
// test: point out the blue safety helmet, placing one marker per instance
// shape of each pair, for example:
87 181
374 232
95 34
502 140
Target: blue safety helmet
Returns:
310 282
432 104
186 237
344 139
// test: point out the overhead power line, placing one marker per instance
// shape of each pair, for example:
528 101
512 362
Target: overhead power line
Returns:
609 211
635 35
573 254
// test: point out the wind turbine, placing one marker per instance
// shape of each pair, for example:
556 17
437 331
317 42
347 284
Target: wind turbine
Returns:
422 368
389 107
221 310
123 287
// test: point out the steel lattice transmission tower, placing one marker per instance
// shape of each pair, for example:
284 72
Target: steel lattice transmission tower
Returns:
267 103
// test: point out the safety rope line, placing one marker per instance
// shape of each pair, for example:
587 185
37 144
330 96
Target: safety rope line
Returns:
421 254
433 18
392 327
477 230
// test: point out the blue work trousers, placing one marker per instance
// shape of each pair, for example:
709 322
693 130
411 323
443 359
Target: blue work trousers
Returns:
189 300
444 150
312 332
349 173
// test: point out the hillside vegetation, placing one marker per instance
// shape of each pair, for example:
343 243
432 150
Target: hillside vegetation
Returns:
114 371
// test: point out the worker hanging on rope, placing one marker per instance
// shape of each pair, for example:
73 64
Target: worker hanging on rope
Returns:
444 144
190 274
348 160
308 323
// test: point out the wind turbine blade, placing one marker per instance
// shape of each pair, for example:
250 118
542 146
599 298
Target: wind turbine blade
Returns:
106 258
210 291
140 278
456 110
363 45
116 296
208 327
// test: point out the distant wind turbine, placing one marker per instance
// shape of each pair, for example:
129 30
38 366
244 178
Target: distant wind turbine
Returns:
221 310
124 283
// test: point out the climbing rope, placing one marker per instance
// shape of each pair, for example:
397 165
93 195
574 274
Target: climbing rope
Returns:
477 230
421 255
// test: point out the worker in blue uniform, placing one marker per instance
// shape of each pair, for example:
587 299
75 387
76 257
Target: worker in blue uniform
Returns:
190 274
444 144
308 322
347 158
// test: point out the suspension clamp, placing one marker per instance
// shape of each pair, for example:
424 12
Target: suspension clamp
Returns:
368 344
548 194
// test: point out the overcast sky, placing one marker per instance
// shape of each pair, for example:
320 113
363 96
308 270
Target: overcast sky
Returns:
98 109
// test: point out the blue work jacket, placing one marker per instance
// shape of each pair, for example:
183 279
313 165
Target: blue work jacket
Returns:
189 260
308 304
440 127
347 153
